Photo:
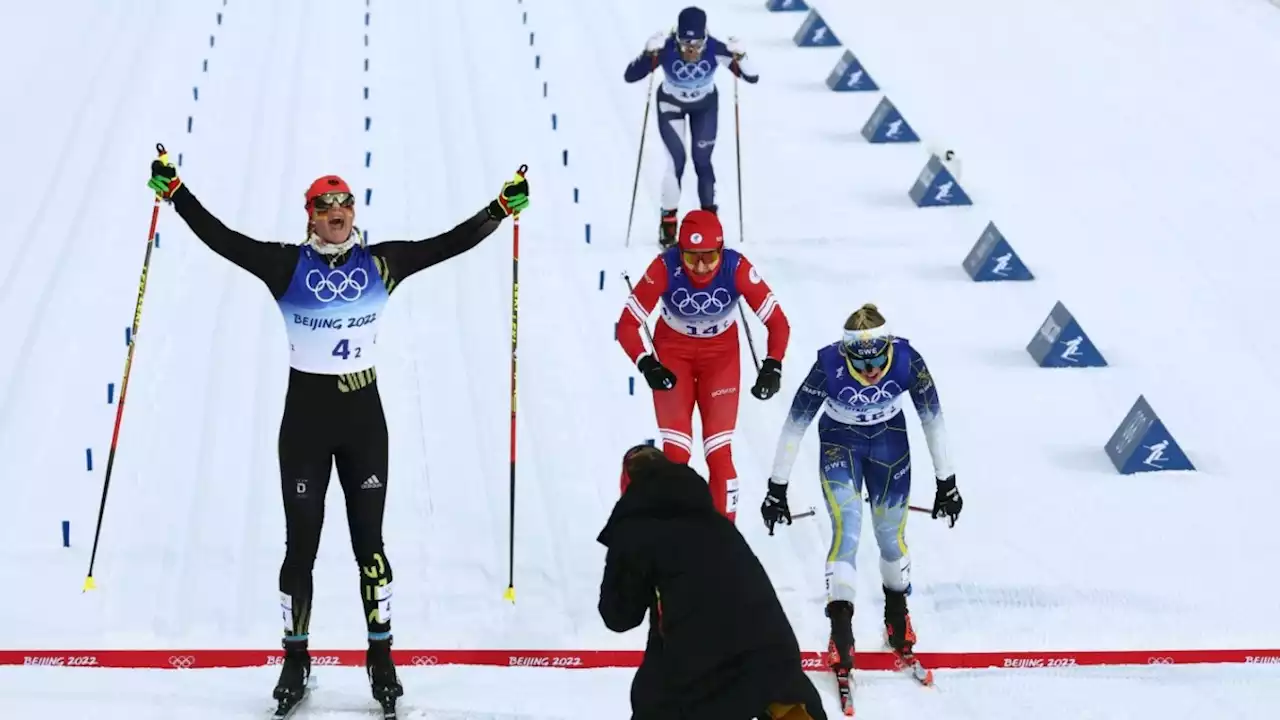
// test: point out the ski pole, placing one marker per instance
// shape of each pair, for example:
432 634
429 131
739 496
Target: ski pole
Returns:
644 326
644 128
750 343
89 583
510 593
737 148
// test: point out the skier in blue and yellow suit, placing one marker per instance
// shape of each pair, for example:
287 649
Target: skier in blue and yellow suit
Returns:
862 382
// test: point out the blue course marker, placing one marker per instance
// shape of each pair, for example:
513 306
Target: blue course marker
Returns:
366 122
524 18
111 393
366 41
601 283
566 158
366 93
530 39
219 18
368 195
195 93
588 232
205 67
88 459
366 19
188 123
210 41
179 159
537 61
157 240
631 385
366 64
128 336
553 121
544 88
575 195
66 533
368 157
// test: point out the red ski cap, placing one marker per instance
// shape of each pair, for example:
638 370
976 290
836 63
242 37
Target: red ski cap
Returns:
701 231
326 184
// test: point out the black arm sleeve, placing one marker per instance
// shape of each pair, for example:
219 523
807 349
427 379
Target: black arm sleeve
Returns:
406 257
624 596
272 263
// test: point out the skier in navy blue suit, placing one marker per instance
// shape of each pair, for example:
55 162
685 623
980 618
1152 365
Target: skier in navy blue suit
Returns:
689 58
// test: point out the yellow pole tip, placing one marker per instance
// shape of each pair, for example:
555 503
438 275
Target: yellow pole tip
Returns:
509 595
89 584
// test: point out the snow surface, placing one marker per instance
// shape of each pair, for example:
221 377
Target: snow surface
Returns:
1127 150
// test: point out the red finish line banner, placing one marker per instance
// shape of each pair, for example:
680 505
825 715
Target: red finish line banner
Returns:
586 659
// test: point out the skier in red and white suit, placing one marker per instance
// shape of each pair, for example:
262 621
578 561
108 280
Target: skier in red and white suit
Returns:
696 357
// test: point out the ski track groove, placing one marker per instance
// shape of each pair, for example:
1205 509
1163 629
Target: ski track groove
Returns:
37 310
204 480
451 127
260 439
527 429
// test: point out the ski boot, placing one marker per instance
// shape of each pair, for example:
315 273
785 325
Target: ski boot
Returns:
840 651
382 677
291 688
901 637
667 230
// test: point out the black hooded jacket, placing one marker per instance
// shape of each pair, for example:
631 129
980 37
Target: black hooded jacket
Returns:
722 648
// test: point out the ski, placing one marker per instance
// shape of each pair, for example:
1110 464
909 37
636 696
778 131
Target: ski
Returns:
388 708
844 684
288 706
908 664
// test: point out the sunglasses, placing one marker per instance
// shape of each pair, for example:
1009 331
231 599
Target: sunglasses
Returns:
691 257
323 203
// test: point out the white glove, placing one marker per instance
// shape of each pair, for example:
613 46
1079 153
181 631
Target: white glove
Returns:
656 42
735 48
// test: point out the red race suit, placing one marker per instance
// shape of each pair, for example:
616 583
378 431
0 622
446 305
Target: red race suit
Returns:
696 338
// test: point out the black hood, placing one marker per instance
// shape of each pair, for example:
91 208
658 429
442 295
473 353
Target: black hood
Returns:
660 490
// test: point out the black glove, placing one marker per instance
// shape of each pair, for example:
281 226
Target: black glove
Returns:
947 501
658 376
774 508
769 379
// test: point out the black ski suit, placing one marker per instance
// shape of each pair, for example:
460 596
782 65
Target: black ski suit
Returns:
720 645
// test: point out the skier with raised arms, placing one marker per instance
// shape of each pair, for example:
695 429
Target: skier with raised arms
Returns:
331 290
696 358
688 58
861 382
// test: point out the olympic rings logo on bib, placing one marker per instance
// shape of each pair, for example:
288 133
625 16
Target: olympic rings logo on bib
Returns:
336 284
690 71
701 302
872 395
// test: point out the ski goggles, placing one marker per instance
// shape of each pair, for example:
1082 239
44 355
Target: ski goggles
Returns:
867 348
861 364
691 257
323 203
691 46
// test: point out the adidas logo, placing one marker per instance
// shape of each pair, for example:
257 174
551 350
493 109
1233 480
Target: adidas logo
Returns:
373 483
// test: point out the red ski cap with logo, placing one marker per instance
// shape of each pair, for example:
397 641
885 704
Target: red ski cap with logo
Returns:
701 231
326 184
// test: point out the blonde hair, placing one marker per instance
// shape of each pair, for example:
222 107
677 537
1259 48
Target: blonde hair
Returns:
867 317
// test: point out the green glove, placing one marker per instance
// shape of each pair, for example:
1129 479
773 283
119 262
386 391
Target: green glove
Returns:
515 195
164 177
